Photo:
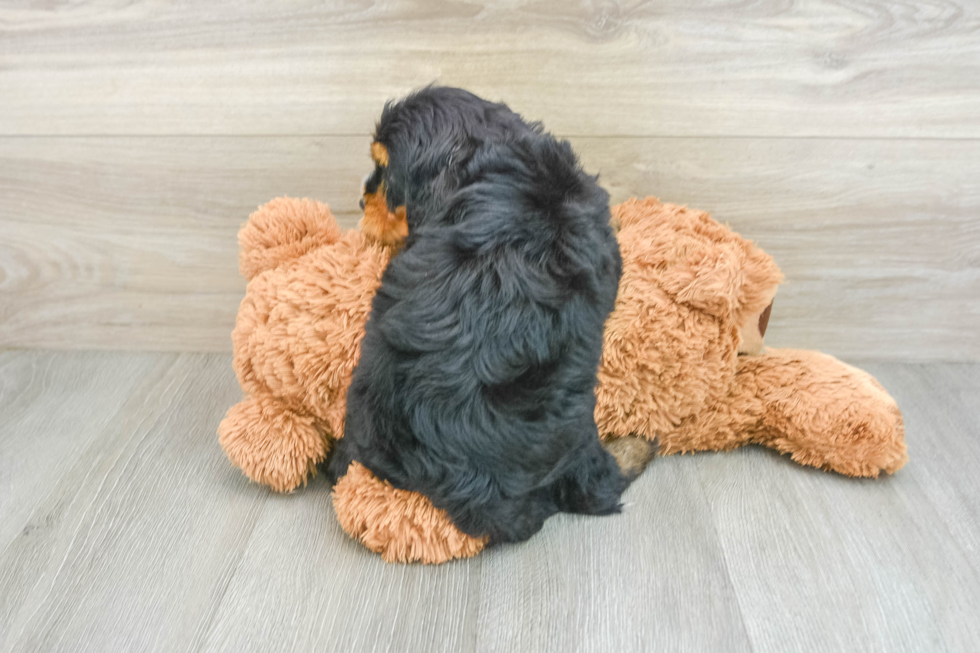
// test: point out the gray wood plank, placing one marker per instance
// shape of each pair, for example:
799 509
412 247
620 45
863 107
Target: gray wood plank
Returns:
54 408
129 243
303 585
800 67
825 563
651 579
141 536
941 403
132 546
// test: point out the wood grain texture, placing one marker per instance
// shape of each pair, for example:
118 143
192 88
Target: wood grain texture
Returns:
131 546
129 243
650 579
64 404
768 67
825 563
953 427
303 585
141 536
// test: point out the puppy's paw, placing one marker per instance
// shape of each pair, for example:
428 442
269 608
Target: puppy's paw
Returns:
593 487
632 454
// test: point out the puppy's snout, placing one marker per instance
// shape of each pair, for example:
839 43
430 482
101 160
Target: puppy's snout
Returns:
362 203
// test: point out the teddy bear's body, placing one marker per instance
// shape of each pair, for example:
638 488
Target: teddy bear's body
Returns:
682 363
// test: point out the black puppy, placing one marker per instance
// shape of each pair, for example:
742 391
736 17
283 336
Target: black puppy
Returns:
475 382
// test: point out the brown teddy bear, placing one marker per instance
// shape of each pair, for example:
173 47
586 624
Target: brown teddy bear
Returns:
683 363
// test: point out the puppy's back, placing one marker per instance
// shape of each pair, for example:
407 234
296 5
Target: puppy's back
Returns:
475 384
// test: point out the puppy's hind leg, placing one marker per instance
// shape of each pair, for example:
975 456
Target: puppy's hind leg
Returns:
517 519
593 485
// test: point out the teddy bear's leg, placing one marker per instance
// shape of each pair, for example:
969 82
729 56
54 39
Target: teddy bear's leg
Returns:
402 526
283 230
273 444
820 411
726 424
826 413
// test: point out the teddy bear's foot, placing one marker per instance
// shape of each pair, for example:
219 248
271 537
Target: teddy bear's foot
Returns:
402 526
825 413
272 444
283 230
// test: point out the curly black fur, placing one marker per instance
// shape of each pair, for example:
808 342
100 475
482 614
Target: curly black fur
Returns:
477 369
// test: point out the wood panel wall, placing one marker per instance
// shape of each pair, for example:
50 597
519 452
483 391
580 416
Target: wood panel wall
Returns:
842 135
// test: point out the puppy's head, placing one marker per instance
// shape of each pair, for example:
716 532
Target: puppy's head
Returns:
422 145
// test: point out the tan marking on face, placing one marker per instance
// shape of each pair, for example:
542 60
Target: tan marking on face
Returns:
379 223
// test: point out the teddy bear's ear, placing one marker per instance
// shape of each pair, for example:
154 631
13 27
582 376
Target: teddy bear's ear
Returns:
706 276
760 278
725 274
703 264
283 230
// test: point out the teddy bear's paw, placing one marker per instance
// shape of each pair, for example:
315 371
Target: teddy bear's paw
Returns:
283 230
273 445
402 526
869 439
825 413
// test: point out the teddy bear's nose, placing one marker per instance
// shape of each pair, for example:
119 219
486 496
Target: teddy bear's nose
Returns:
764 320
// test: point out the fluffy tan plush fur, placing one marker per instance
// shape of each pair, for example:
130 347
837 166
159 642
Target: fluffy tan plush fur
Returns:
683 363
402 526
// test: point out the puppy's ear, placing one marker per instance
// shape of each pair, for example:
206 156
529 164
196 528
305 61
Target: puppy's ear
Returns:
379 153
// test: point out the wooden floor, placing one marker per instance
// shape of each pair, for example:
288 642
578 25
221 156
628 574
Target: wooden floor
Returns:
123 527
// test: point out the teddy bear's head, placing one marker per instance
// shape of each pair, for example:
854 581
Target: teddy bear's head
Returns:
693 296
282 231
309 294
